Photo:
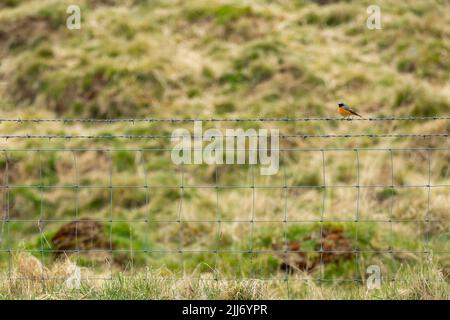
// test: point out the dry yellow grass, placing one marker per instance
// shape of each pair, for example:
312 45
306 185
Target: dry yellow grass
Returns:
226 59
424 281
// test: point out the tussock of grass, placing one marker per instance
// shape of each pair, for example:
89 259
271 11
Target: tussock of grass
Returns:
423 281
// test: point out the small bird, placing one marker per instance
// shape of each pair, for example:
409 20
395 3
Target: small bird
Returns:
346 111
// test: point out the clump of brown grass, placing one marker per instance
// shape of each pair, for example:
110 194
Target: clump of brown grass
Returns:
425 281
30 278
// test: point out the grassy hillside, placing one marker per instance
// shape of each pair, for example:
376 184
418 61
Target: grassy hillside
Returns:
228 59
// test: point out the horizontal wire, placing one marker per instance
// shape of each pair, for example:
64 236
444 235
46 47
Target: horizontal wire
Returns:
283 136
39 186
351 149
281 278
179 251
137 221
135 120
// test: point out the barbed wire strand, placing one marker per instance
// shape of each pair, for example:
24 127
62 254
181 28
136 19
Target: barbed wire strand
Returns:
286 119
176 136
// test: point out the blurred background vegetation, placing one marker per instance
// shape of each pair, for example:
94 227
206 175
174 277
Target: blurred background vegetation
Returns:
226 59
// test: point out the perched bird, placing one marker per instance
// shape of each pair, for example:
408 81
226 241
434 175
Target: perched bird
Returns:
346 111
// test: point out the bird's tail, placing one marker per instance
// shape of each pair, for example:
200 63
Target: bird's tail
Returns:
356 114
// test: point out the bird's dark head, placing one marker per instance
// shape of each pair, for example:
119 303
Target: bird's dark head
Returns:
341 104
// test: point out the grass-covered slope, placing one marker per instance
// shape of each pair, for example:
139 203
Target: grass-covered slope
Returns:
227 59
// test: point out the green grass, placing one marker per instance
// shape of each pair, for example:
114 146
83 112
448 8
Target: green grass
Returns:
422 281
228 59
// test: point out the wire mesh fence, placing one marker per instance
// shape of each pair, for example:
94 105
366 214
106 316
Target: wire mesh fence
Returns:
327 214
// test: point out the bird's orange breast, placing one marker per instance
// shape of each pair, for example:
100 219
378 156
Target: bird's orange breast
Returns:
344 112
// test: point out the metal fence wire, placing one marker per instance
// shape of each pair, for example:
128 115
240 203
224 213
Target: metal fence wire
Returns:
328 213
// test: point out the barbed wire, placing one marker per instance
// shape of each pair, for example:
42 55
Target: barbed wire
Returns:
306 149
281 136
136 120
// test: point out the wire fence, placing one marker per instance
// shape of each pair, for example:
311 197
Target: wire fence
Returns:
325 216
137 120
